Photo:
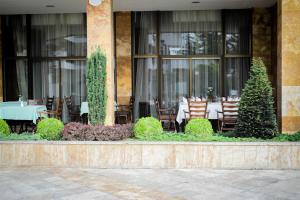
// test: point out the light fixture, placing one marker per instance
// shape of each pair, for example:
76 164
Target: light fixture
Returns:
50 6
195 2
95 2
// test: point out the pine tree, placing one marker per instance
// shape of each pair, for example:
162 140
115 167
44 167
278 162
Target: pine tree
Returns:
96 87
256 112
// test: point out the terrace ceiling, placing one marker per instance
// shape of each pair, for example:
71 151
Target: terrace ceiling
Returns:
75 6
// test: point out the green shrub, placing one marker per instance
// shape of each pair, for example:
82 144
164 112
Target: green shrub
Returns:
201 127
96 87
23 136
4 128
256 112
147 127
50 129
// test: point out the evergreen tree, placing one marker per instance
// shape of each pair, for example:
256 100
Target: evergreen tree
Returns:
256 112
96 87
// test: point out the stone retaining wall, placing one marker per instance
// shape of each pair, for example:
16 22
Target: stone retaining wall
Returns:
151 155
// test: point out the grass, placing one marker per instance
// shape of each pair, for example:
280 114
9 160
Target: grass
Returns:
167 136
23 136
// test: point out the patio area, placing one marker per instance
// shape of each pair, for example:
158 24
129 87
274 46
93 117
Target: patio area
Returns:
147 184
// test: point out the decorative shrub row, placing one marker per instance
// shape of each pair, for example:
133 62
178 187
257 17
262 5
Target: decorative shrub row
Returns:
81 132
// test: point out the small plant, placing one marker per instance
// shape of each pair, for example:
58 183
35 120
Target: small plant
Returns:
256 112
201 127
50 129
4 128
147 127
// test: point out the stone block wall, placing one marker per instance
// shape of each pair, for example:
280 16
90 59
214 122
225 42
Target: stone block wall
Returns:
289 63
123 56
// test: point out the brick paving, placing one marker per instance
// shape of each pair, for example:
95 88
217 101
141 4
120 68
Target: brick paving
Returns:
147 184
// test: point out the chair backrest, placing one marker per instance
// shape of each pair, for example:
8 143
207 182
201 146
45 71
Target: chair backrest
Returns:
58 107
68 100
49 103
157 107
197 109
230 111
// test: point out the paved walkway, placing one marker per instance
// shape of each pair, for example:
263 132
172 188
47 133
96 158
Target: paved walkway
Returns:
115 184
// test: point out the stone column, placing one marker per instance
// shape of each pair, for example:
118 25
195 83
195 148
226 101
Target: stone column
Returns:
289 64
100 33
1 66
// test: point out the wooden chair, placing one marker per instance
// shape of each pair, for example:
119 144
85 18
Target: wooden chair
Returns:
197 109
57 113
73 113
227 118
49 102
165 115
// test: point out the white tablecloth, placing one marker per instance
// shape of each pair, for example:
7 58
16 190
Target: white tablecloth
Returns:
212 108
11 111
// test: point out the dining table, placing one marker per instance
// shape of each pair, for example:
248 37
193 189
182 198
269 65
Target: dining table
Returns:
15 110
212 108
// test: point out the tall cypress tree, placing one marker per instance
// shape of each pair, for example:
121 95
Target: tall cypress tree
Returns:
256 112
96 87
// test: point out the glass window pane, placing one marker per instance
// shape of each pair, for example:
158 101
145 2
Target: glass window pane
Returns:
236 74
16 36
191 33
16 79
146 84
46 79
58 35
205 73
237 29
175 81
145 33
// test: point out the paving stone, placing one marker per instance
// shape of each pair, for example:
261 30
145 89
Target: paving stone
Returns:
147 184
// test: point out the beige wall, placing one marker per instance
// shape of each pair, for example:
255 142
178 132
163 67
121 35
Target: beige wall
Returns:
289 63
100 33
123 57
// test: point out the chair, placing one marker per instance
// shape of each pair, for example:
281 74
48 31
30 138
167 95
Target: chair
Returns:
165 115
227 118
49 103
197 109
54 113
73 113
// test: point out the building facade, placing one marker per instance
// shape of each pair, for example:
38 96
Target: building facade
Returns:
160 49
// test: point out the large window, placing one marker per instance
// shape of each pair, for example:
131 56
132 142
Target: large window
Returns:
193 50
45 55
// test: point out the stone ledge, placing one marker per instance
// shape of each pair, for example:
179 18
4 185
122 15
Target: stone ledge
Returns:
137 154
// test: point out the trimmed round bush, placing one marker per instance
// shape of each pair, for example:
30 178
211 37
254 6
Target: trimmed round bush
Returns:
4 128
199 127
147 127
50 129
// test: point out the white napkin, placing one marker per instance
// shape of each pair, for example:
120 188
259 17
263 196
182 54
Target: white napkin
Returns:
198 99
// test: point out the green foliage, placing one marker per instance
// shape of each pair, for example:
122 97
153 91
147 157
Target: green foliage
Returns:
96 87
201 127
285 137
147 127
4 128
256 112
50 129
23 136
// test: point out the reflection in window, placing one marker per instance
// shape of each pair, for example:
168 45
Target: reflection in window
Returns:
175 81
237 31
205 74
236 74
190 33
145 33
146 84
